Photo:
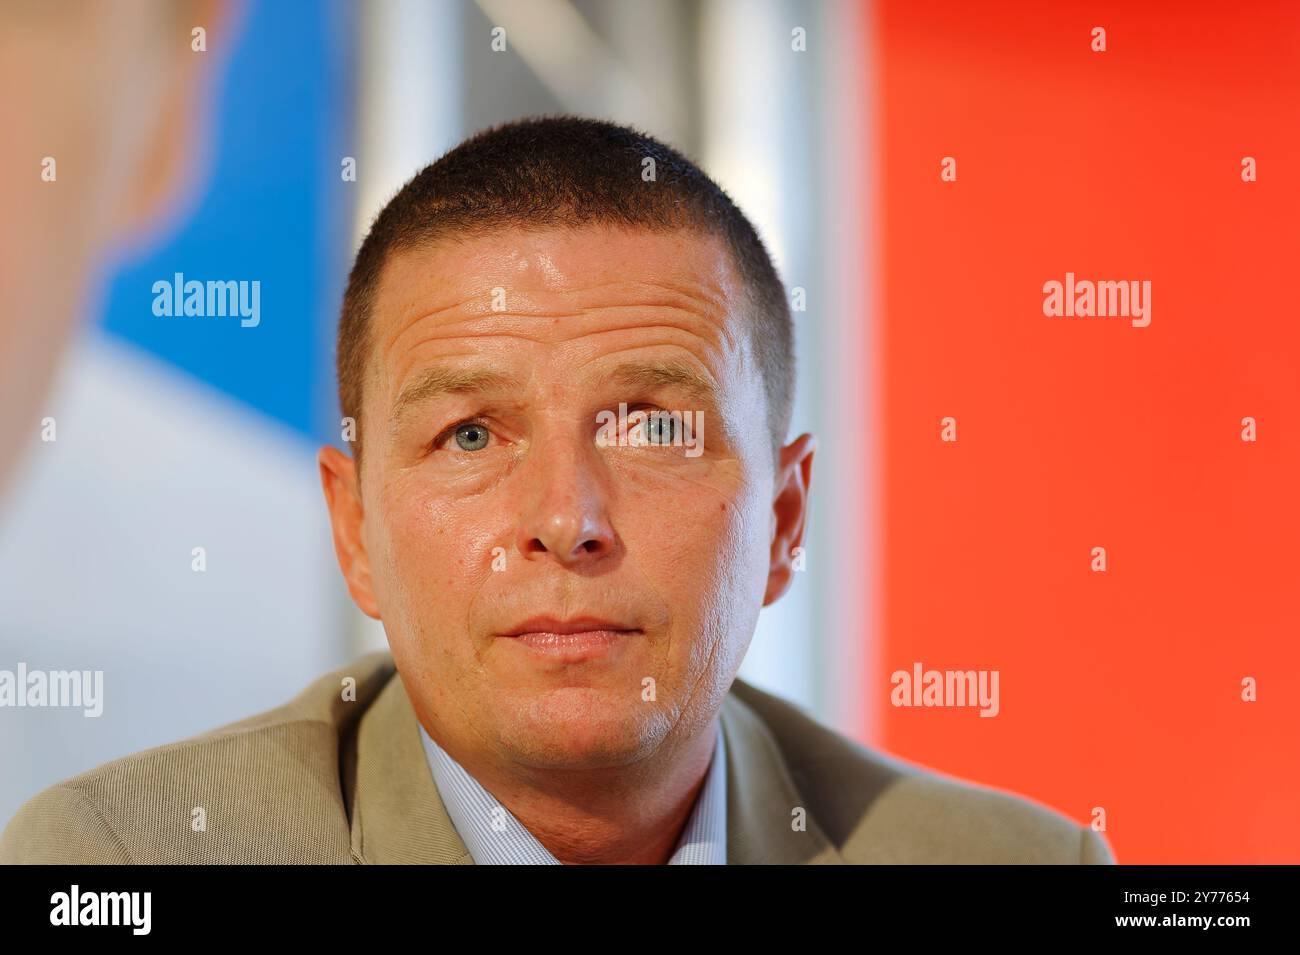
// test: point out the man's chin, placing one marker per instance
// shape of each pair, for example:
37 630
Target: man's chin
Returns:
583 728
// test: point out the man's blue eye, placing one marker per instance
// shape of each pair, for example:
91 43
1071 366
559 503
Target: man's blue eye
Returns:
471 437
660 428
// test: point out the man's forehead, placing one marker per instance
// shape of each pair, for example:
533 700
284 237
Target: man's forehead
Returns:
540 271
577 294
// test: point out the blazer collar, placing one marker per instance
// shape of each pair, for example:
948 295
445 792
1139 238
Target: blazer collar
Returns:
762 798
399 817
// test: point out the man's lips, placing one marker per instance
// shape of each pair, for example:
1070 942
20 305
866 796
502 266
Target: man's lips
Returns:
573 625
577 637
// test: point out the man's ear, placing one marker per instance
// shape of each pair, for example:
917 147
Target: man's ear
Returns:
338 478
789 514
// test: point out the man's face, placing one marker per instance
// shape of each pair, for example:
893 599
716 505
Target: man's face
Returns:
492 519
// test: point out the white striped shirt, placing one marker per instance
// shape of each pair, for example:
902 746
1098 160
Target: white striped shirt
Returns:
494 837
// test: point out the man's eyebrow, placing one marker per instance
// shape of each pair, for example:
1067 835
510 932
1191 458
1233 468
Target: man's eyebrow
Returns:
442 380
661 374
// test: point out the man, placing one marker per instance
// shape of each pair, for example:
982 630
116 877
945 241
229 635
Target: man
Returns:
565 367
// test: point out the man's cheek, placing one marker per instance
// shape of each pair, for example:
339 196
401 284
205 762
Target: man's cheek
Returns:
679 500
690 567
446 560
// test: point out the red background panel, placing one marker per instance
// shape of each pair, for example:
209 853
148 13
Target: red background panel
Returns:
1119 689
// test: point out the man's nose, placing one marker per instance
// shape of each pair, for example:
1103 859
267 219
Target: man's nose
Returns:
565 506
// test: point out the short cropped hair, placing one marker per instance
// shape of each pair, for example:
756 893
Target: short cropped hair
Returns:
567 171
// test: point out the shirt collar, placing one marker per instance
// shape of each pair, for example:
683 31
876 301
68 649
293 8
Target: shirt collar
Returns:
494 837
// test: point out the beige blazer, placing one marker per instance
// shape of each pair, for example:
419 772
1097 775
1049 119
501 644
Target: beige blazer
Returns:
327 780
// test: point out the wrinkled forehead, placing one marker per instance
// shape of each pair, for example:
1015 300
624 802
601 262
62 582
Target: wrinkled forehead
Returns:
556 286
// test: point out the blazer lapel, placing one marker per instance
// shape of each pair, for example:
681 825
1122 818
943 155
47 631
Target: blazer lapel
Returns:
398 816
762 799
